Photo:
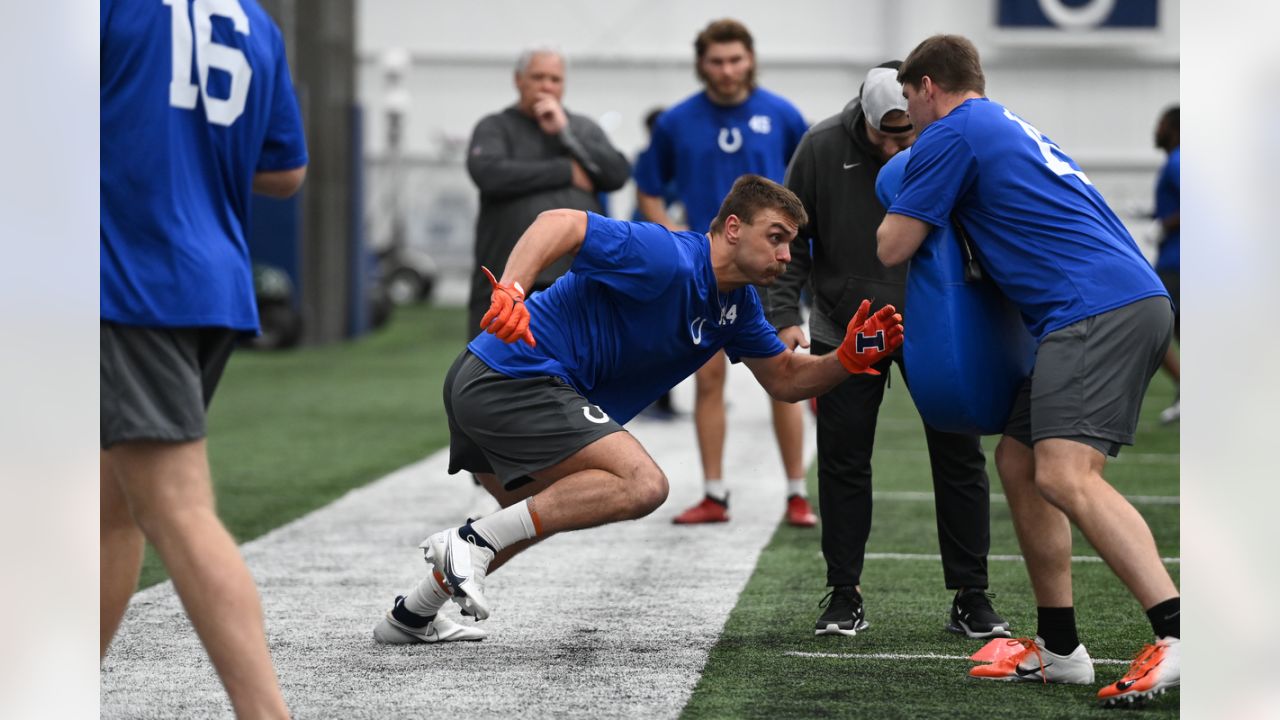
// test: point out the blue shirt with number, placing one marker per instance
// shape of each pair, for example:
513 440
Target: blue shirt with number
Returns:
705 147
1043 232
195 99
638 312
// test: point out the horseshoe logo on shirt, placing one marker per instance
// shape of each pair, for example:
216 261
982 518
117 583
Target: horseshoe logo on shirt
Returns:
730 139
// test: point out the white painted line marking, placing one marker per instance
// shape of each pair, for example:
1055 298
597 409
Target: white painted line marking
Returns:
911 656
921 496
1000 558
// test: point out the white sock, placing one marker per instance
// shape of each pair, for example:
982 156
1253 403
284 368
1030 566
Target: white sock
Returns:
717 490
508 526
427 598
796 486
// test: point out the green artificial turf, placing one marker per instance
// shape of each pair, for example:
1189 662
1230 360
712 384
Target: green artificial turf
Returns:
291 431
750 674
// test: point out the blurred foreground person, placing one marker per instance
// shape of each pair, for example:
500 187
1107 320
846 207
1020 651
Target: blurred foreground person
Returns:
181 150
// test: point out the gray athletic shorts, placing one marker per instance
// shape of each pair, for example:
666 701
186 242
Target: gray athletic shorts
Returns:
156 383
1090 378
512 427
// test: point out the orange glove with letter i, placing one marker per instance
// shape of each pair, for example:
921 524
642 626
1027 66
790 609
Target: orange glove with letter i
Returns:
868 340
508 318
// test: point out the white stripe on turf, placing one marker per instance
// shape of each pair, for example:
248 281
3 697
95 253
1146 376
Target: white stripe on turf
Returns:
921 496
998 558
916 656
582 621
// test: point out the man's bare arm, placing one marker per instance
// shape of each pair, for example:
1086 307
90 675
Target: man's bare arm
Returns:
279 183
554 234
899 237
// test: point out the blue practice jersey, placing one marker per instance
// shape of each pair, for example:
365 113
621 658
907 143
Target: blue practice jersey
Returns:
194 101
637 313
1168 202
705 147
1042 230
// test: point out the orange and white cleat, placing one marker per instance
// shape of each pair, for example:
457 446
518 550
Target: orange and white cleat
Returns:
710 510
799 513
1036 664
1155 669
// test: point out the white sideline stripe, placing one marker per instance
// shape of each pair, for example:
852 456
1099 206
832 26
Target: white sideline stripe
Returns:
998 558
921 496
910 656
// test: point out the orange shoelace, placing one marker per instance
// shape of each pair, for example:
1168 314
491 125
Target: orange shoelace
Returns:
1144 662
1028 646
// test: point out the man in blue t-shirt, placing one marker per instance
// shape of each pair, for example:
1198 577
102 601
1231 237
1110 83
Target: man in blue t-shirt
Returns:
536 405
704 144
1169 214
1049 241
197 112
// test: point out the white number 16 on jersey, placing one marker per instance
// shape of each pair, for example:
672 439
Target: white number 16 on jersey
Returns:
182 92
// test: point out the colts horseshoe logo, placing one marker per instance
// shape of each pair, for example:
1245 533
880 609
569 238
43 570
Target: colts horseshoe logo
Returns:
589 412
730 139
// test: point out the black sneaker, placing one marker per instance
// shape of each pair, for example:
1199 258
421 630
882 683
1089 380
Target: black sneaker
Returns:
844 613
972 615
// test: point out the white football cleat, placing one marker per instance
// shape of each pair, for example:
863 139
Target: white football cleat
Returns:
463 566
1036 664
393 631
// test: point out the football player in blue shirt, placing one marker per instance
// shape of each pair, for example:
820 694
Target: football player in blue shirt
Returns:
197 112
536 405
1049 241
704 144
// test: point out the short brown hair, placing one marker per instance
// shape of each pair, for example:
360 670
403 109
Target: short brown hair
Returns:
725 30
751 194
950 61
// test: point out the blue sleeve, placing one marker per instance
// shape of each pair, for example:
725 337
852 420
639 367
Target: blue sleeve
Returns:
656 166
941 168
638 260
285 145
756 337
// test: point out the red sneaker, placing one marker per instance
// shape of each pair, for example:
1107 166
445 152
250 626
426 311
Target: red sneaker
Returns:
799 514
710 510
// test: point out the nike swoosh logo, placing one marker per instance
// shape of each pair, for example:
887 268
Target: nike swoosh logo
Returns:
849 166
695 330
1030 671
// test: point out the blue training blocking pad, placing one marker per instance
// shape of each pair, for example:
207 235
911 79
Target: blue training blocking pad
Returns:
966 349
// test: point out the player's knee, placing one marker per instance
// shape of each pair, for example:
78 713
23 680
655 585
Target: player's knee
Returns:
1013 459
1061 489
649 490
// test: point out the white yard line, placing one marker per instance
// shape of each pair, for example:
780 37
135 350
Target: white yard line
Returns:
995 558
923 496
910 656
611 621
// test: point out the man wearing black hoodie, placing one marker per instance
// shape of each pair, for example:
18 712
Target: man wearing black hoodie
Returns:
834 173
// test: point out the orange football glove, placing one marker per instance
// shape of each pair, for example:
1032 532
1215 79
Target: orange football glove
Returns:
870 340
507 318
